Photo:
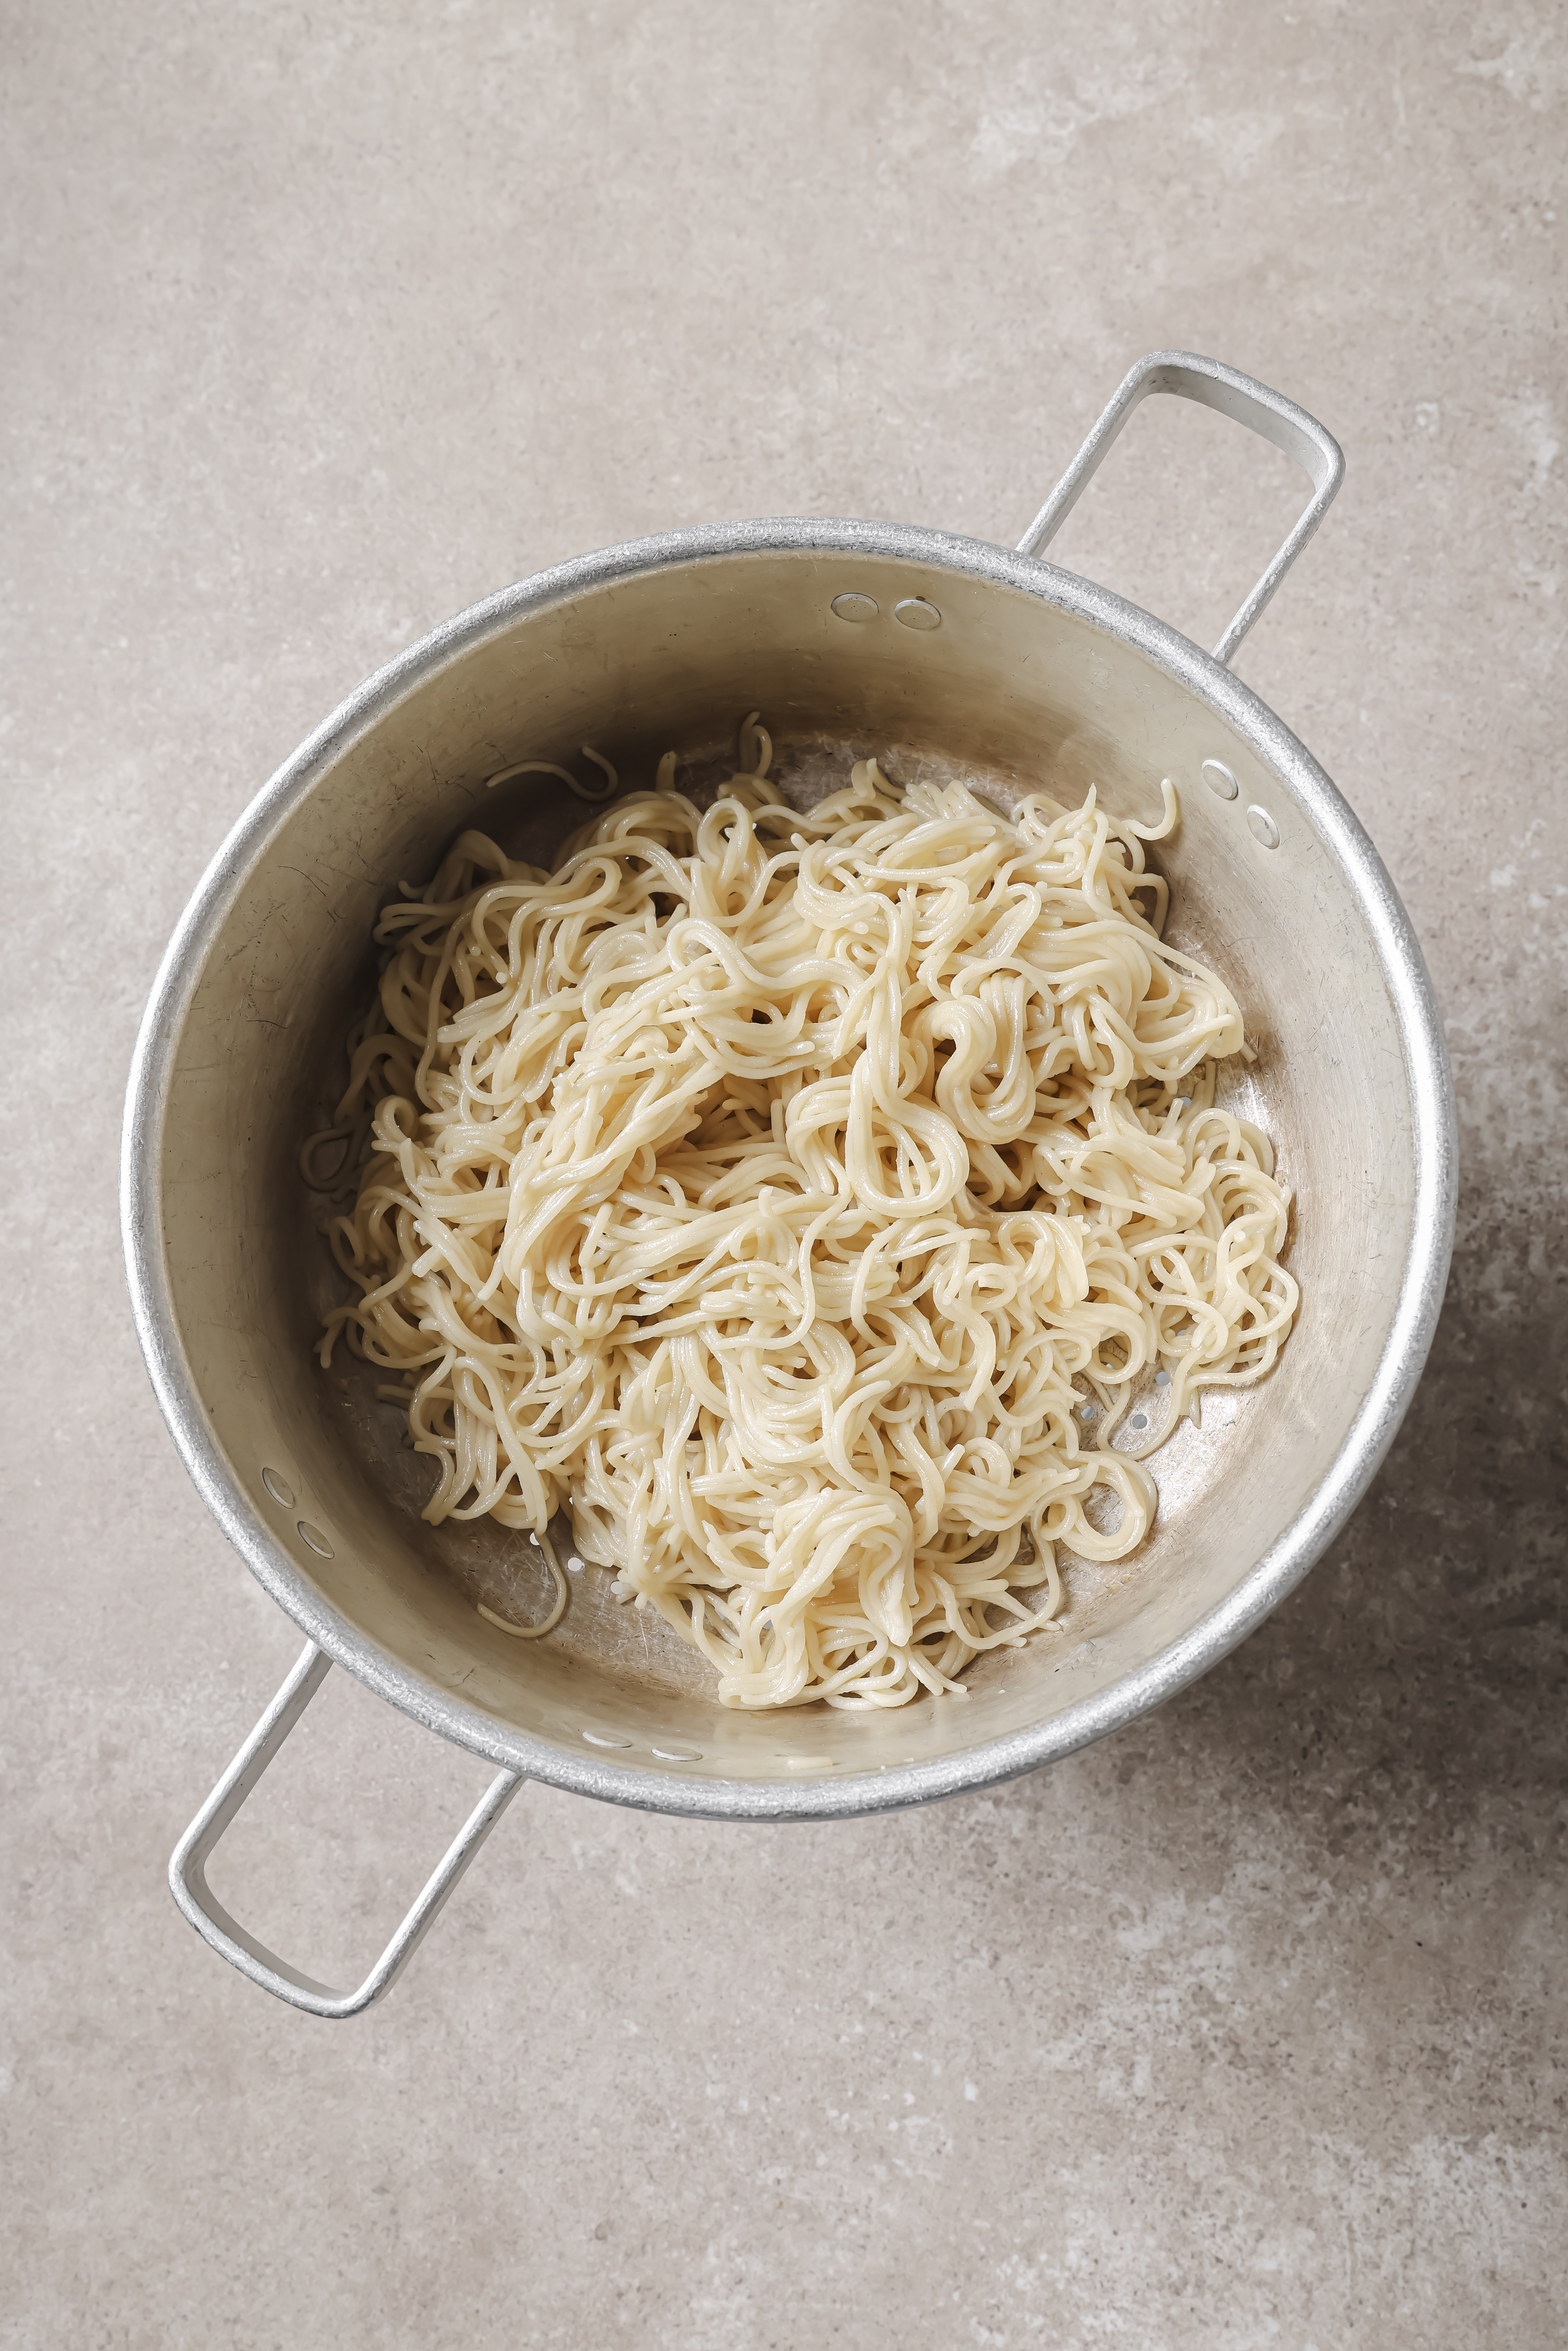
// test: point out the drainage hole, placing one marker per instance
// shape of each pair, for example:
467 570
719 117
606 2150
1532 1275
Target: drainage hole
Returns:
316 1539
916 613
278 1488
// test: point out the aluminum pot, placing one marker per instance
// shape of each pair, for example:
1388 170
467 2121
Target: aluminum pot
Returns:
939 653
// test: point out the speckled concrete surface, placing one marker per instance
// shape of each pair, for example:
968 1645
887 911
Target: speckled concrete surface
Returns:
1244 2028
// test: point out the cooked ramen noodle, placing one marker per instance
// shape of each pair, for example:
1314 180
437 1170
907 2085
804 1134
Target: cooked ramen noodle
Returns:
803 1202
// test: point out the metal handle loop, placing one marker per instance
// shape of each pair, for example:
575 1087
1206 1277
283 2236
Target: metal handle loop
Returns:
187 1869
1248 402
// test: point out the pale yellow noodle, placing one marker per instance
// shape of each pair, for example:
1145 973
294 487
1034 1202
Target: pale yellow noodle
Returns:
546 1623
798 1200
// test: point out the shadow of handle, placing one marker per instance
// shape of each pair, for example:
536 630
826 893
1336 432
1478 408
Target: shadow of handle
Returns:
187 1869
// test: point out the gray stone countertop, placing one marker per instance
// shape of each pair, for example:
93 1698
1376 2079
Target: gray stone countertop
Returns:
1242 2028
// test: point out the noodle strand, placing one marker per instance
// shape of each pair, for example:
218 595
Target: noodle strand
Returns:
801 1201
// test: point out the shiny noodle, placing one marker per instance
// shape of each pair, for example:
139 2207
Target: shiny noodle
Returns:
801 1201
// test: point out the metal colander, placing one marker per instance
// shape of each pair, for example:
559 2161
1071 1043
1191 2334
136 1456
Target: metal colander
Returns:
942 655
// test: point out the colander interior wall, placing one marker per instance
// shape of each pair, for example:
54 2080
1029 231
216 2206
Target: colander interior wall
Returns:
1030 678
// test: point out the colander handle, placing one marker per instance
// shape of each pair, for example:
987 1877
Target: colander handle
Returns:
187 1870
1239 396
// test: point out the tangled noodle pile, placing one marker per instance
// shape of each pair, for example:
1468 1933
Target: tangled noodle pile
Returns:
800 1200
